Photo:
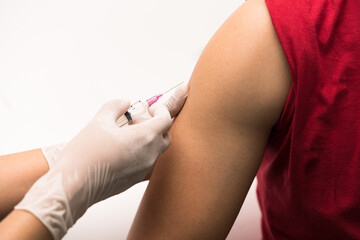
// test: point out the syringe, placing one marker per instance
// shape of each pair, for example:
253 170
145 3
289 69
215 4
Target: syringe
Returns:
138 108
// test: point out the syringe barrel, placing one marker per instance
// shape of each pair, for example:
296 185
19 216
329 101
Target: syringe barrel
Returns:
122 121
135 111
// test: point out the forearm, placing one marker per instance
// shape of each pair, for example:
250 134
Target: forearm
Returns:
18 172
23 225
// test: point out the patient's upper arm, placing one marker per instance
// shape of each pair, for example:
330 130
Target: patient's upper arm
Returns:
237 93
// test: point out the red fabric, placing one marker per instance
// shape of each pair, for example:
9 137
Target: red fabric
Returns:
309 180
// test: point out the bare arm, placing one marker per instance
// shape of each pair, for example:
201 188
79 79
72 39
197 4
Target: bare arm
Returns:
18 172
23 225
237 93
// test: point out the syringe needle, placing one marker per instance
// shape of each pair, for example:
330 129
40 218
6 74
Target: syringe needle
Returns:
140 107
171 88
154 99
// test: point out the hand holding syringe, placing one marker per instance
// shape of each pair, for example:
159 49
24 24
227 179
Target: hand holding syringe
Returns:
139 108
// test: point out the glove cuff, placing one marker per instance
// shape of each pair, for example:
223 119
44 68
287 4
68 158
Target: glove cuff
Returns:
47 201
52 153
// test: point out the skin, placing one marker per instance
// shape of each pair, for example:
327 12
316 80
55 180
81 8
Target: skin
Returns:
20 171
199 184
23 225
237 93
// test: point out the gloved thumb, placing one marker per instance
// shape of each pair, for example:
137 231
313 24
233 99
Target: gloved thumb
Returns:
177 100
114 109
161 121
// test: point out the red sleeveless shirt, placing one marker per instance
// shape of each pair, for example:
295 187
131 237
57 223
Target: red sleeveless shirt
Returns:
309 179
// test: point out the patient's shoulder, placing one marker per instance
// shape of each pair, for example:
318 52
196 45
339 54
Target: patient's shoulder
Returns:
243 73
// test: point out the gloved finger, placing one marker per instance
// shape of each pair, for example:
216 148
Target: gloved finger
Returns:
167 142
113 109
177 100
161 121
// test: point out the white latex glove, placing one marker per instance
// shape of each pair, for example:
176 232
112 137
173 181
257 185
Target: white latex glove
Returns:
177 100
173 104
52 153
101 161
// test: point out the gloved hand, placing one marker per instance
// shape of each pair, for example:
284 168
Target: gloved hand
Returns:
177 100
101 161
173 104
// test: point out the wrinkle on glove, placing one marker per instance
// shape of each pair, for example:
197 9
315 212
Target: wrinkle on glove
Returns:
52 153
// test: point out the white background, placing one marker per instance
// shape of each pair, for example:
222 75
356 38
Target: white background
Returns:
61 60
